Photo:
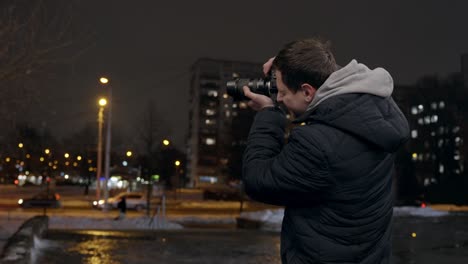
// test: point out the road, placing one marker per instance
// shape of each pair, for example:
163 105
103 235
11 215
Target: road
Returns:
74 202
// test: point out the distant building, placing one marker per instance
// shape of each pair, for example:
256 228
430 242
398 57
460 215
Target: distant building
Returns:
218 126
437 113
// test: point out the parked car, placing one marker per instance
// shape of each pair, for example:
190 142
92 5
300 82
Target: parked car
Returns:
134 200
222 193
41 200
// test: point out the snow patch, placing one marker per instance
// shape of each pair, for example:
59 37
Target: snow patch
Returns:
417 211
64 222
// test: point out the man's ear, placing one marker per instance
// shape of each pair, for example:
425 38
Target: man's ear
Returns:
309 92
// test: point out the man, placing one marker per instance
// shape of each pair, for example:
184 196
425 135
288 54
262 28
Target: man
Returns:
334 176
122 206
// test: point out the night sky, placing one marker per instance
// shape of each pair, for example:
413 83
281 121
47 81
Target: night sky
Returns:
146 48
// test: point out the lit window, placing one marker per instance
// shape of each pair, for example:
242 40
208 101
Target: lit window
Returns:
456 129
427 181
228 113
210 121
434 106
414 156
208 179
414 110
210 112
234 105
441 168
433 133
225 96
440 143
242 105
427 120
210 141
442 105
420 121
457 171
434 119
414 133
213 93
420 108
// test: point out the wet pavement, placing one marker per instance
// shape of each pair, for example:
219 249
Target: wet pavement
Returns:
416 240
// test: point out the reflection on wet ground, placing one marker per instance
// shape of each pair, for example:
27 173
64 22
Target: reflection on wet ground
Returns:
187 246
431 240
416 240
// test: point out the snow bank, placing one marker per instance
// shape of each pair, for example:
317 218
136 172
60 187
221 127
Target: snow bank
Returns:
271 219
417 211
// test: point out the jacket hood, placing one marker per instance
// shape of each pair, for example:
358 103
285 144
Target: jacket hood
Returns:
354 78
358 101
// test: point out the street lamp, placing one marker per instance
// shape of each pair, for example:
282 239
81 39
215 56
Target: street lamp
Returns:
105 81
102 103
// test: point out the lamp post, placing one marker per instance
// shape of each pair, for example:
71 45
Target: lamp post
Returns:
105 81
102 103
177 164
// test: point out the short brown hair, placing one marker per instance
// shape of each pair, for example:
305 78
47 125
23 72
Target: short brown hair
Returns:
305 61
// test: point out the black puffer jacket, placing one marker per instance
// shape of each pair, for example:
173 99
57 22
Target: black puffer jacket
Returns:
334 177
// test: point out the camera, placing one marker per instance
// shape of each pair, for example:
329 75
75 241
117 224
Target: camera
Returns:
265 86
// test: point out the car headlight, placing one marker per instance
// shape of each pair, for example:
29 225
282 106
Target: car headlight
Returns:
20 201
101 202
95 202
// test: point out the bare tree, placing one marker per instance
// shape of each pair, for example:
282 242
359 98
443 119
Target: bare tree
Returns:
151 130
34 37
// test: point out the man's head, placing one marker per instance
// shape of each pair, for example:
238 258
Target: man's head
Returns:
301 67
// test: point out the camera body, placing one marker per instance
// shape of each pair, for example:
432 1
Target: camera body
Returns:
265 86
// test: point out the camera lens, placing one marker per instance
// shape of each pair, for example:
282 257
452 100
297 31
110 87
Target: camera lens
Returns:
261 86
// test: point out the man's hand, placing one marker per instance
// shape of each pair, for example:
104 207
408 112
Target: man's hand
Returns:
267 66
257 101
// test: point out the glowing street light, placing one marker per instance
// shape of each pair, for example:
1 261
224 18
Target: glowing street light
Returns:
102 102
166 142
20 145
129 153
103 80
177 163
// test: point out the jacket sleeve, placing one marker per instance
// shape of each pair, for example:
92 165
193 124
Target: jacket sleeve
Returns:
280 174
